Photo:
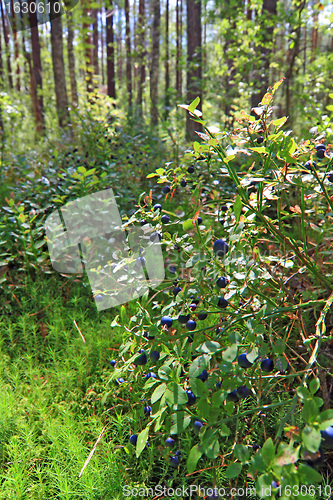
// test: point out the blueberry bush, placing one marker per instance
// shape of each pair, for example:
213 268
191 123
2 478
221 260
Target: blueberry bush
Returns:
228 364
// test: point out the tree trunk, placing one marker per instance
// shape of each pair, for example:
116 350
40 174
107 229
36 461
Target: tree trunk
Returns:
194 62
179 34
167 62
110 64
128 55
7 46
36 73
95 41
141 54
16 48
88 49
155 61
268 20
71 58
58 67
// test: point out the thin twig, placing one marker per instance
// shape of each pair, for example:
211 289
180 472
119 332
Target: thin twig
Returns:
78 329
92 451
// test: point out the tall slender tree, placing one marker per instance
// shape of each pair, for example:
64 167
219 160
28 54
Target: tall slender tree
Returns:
36 81
155 55
194 61
261 72
167 62
16 47
7 45
110 52
179 35
128 55
71 58
58 66
141 55
95 16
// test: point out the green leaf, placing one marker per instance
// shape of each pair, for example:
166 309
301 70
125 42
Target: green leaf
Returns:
164 372
199 364
314 385
142 441
280 122
175 395
199 388
260 149
238 208
188 224
311 438
193 457
325 415
210 347
310 411
194 104
180 421
268 451
230 353
308 475
233 470
241 452
158 393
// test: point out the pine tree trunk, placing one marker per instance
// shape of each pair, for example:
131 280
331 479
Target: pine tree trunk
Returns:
128 55
95 41
261 74
110 62
167 62
194 62
71 58
155 61
88 48
178 47
7 46
36 73
16 48
58 68
141 55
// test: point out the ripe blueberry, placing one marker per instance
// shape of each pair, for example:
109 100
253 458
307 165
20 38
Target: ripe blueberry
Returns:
133 439
176 290
199 220
203 375
166 189
232 396
202 315
190 169
98 298
222 302
183 183
330 176
141 360
222 282
197 425
260 139
243 392
327 435
267 365
150 375
113 362
174 461
165 219
155 356
170 442
243 361
191 325
167 321
191 398
183 318
147 410
157 206
119 381
220 248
